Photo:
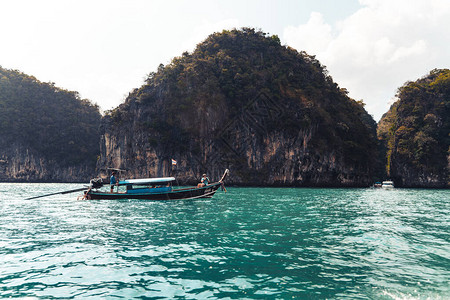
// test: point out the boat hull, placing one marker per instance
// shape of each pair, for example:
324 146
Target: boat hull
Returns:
175 194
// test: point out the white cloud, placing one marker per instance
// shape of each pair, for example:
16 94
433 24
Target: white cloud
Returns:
312 36
379 47
418 48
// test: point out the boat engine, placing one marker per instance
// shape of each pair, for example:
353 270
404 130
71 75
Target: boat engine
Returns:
96 183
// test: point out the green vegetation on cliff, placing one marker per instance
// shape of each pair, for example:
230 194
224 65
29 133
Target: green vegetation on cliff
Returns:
51 122
241 90
415 132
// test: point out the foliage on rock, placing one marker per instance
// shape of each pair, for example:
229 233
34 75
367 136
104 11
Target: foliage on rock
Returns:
50 122
415 132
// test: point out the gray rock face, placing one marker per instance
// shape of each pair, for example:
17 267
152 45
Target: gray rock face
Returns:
20 164
257 152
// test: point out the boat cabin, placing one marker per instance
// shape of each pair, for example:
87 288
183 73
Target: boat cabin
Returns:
388 184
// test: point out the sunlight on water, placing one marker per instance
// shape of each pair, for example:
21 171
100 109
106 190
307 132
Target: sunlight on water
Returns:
249 243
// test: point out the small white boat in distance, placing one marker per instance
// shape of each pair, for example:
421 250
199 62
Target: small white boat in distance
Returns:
387 184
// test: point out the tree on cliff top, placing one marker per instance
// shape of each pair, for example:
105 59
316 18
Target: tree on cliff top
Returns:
199 94
415 132
52 122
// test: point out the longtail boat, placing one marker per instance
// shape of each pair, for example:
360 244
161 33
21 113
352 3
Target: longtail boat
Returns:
152 189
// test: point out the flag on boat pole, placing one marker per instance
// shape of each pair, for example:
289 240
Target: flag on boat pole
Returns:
173 168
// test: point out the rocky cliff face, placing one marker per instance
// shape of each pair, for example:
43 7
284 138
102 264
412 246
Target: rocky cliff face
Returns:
244 102
20 164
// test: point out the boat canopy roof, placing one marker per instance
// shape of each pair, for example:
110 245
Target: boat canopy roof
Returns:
144 181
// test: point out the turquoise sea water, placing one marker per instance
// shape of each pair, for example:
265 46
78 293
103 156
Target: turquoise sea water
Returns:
249 243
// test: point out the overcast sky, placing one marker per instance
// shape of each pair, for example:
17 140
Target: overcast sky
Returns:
105 48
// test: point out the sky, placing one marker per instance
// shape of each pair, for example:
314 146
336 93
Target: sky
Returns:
103 49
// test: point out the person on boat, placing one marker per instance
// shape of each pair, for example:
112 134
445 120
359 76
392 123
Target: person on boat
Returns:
85 195
204 181
113 181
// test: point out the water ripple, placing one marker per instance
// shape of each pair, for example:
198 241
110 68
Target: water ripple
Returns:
247 244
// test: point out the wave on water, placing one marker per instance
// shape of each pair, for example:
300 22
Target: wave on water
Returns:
249 243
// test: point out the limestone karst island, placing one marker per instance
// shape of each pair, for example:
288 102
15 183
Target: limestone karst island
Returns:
239 101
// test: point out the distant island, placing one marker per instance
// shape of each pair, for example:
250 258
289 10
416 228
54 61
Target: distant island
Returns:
240 100
415 133
46 133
